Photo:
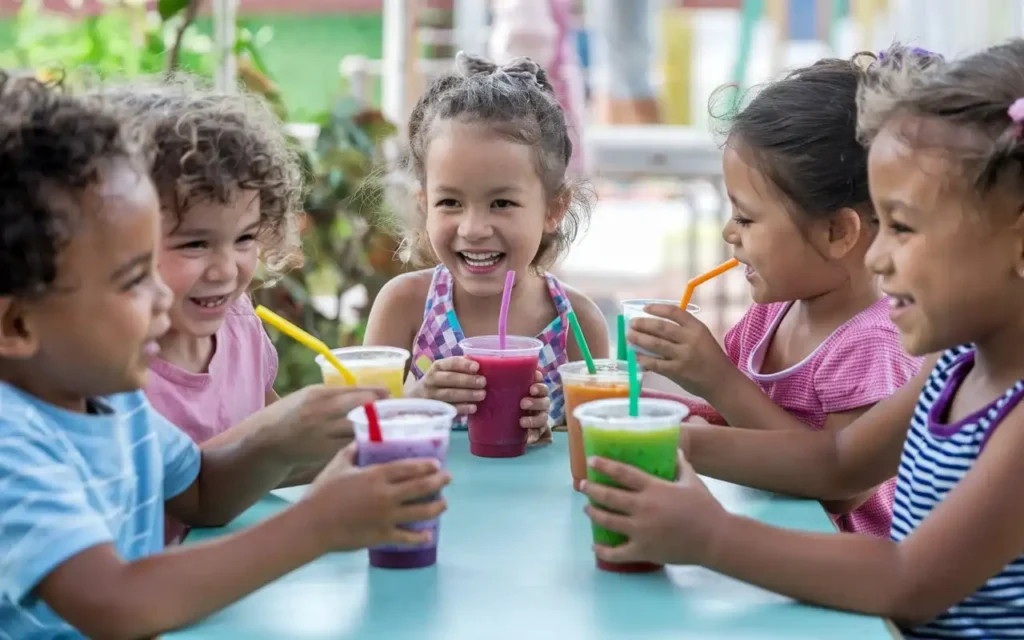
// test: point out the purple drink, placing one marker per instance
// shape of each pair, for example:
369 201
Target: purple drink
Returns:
411 428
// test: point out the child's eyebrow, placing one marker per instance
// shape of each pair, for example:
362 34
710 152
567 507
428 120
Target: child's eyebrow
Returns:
739 203
140 260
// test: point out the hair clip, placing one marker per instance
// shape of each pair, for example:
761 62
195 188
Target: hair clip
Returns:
1016 113
916 52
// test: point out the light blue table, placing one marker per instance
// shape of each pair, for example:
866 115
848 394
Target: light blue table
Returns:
515 562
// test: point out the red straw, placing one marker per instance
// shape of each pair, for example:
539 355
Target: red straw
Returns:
371 418
506 296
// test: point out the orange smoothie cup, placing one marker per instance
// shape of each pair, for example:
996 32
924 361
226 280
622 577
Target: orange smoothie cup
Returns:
580 386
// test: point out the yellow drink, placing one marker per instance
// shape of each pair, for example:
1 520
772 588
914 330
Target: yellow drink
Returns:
371 367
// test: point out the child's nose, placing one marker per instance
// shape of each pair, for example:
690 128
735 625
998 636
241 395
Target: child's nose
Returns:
164 298
474 227
878 258
730 234
222 269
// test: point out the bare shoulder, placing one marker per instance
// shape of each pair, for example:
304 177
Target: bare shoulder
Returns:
407 288
592 322
398 309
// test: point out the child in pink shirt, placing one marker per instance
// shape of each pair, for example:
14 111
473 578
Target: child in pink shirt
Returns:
816 349
229 188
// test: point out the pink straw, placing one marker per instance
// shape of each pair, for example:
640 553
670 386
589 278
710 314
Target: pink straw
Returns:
506 296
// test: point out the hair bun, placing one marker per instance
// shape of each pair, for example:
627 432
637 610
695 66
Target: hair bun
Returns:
522 68
470 65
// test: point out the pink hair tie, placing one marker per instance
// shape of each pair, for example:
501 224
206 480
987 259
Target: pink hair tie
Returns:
1016 113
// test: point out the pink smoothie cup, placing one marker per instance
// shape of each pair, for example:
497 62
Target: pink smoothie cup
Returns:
411 428
494 430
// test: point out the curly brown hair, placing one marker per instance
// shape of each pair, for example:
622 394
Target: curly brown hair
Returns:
209 145
51 144
519 103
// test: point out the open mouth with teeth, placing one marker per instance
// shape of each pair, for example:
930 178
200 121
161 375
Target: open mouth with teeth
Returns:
900 302
210 303
480 261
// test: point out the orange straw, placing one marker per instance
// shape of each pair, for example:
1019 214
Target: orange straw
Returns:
704 277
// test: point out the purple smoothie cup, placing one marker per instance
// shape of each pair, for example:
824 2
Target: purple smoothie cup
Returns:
411 428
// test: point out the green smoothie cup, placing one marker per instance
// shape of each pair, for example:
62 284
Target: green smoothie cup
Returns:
648 441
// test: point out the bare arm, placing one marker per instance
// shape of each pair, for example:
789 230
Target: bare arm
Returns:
976 531
104 596
825 465
836 422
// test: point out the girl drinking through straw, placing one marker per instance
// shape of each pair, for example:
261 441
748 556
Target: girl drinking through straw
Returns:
816 349
946 168
488 148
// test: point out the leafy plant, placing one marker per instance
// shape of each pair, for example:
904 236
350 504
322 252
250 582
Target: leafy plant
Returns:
343 246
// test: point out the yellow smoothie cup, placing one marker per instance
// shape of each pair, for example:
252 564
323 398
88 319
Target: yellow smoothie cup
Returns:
371 367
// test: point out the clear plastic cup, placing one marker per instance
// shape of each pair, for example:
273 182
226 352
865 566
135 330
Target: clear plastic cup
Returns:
635 309
371 367
648 441
494 430
580 386
410 428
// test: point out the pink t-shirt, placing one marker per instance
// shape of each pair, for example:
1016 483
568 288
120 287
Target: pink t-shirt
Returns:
861 363
241 372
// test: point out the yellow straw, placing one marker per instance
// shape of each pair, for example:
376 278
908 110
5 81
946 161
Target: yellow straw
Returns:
704 277
304 339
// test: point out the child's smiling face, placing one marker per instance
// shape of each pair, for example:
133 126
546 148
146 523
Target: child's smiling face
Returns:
95 332
208 259
486 206
948 259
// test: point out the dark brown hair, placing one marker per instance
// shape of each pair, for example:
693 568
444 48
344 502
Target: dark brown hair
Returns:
970 96
517 102
50 143
801 133
209 145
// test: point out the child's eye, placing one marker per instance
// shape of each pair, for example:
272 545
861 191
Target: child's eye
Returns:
136 281
447 203
899 227
502 204
246 239
195 244
741 221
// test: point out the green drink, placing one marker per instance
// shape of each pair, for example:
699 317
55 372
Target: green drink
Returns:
648 441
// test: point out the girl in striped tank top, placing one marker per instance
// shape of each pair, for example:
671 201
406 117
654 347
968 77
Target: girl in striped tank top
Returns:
946 172
488 150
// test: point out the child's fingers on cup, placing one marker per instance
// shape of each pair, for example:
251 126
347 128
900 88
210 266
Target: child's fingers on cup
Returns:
535 421
651 343
456 363
403 536
539 390
537 406
625 552
457 395
456 380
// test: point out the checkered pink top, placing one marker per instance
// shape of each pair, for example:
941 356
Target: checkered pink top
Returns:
861 363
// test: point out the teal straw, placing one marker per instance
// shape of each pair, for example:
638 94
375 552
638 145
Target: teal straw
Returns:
634 384
622 337
582 342
453 322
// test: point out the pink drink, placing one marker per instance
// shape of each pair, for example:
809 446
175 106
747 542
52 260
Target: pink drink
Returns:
494 430
412 428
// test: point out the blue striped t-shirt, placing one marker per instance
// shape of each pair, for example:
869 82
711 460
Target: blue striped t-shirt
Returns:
936 456
71 481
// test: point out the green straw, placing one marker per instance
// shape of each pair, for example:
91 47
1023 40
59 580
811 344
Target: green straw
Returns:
634 384
622 337
582 342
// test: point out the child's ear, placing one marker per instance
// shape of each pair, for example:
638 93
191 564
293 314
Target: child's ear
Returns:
1018 258
844 230
17 341
557 209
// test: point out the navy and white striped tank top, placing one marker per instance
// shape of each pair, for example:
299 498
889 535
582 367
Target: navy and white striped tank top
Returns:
935 458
